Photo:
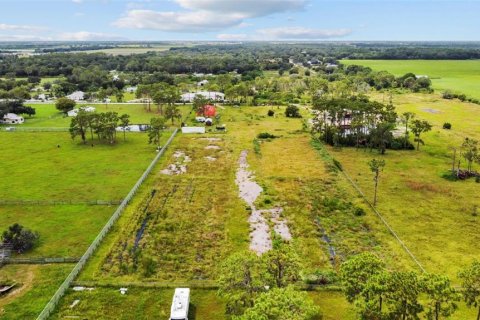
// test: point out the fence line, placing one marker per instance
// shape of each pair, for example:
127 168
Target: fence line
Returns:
40 260
34 129
384 221
52 304
11 202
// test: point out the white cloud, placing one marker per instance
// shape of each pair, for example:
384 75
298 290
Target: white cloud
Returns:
301 33
77 1
23 37
87 36
232 37
247 8
205 15
177 21
16 27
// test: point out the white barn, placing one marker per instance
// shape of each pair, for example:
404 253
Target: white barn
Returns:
76 96
12 118
212 95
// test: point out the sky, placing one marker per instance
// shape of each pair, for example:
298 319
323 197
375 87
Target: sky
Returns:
239 20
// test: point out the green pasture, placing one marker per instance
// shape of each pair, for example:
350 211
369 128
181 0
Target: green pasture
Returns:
457 75
35 286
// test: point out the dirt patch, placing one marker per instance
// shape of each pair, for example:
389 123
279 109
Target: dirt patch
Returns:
212 147
434 111
211 139
211 158
180 165
259 220
24 283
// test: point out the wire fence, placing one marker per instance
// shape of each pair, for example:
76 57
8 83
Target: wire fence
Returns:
26 202
34 129
379 215
40 260
52 304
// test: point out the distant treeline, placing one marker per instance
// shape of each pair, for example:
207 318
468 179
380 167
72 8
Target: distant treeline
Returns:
223 58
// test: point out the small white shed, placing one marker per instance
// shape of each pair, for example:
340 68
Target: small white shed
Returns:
12 118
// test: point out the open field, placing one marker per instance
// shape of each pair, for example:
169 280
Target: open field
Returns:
457 75
36 284
434 216
128 50
180 226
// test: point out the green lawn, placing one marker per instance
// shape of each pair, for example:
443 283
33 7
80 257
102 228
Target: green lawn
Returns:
457 75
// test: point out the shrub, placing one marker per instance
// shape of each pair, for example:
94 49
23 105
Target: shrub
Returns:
447 125
359 212
322 277
256 147
292 111
266 135
477 179
20 238
271 113
337 164
448 94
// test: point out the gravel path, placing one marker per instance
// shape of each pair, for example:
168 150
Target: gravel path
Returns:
249 190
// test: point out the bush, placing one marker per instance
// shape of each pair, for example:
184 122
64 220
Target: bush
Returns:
337 164
271 113
266 135
292 111
359 212
20 238
322 277
447 125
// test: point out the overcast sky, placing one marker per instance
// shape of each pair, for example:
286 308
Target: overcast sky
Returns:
228 20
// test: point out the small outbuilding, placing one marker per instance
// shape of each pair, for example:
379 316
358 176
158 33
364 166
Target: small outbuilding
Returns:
208 111
12 118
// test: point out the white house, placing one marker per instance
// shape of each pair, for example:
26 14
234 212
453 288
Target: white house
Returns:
12 118
212 95
76 96
74 112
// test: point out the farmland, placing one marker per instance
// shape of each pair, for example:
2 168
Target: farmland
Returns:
457 75
278 196
65 176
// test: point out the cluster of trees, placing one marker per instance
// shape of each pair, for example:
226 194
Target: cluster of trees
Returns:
357 121
448 94
470 151
15 106
102 124
252 285
17 89
378 293
20 238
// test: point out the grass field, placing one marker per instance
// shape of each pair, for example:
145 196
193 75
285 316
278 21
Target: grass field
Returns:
193 220
178 227
50 166
435 217
35 285
456 75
